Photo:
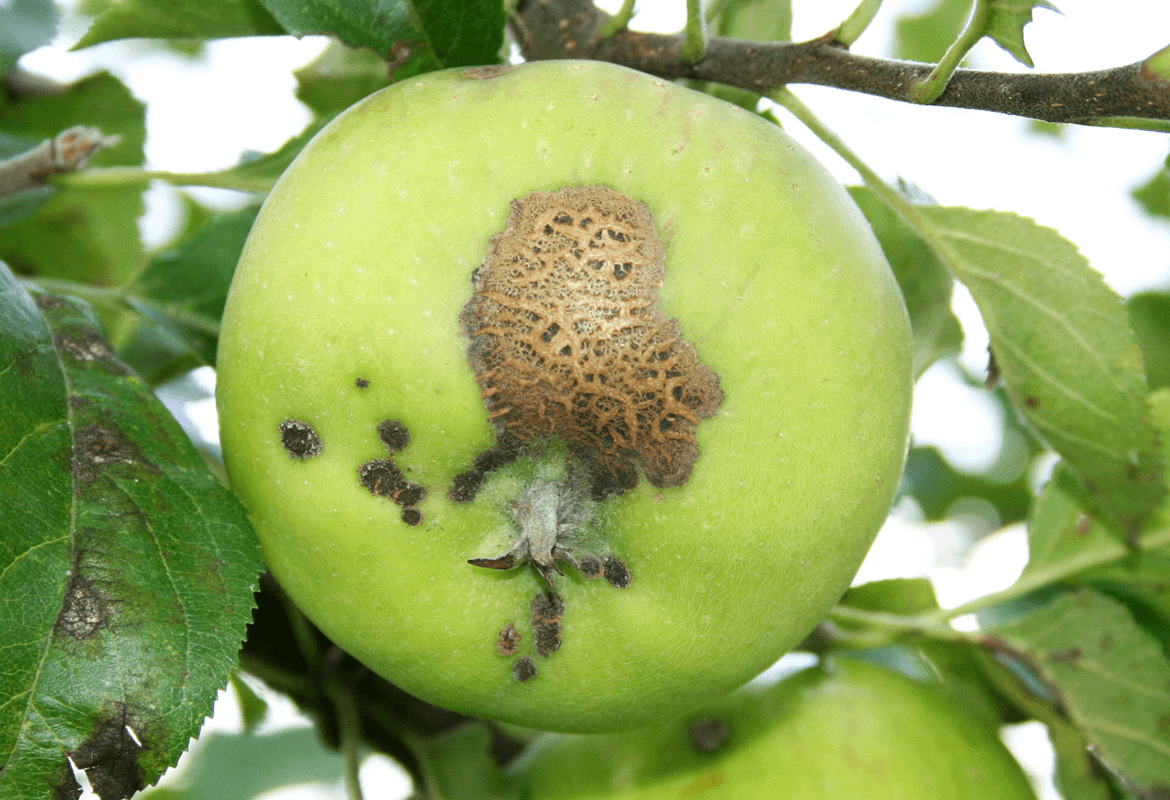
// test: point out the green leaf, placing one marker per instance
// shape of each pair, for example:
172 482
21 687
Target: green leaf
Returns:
1069 546
1109 676
339 77
99 101
1077 775
25 25
21 205
1149 314
85 234
180 19
259 172
907 596
415 36
924 280
1004 23
936 486
1064 350
126 569
224 766
1159 63
756 20
1142 578
926 36
253 708
17 206
460 764
1154 194
1062 534
183 291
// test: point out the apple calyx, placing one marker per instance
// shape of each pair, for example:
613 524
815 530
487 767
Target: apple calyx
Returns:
551 514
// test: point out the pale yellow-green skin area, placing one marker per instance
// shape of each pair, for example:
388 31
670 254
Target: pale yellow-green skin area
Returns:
358 267
850 730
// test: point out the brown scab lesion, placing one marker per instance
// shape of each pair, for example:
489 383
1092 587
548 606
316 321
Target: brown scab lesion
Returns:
567 340
393 434
547 614
616 573
548 610
508 642
524 669
83 611
384 478
300 439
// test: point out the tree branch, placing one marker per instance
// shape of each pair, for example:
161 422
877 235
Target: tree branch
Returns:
68 151
553 29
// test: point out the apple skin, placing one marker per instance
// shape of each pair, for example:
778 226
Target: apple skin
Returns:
344 313
843 729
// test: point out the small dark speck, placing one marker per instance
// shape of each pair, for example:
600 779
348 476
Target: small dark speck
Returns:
361 383
616 572
299 439
1069 655
393 434
590 567
509 640
709 735
524 669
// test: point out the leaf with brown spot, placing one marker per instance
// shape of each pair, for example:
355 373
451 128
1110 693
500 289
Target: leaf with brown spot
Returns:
1065 351
126 569
1107 676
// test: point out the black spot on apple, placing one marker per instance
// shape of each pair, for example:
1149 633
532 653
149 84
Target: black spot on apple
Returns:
410 495
393 434
299 439
590 567
508 642
506 561
524 669
466 485
547 612
384 478
617 574
709 735
567 340
488 72
361 383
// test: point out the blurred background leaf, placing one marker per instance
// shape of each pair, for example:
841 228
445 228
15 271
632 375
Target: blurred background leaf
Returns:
25 25
180 19
415 36
926 36
85 234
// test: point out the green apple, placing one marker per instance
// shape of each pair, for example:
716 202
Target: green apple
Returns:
502 331
848 729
